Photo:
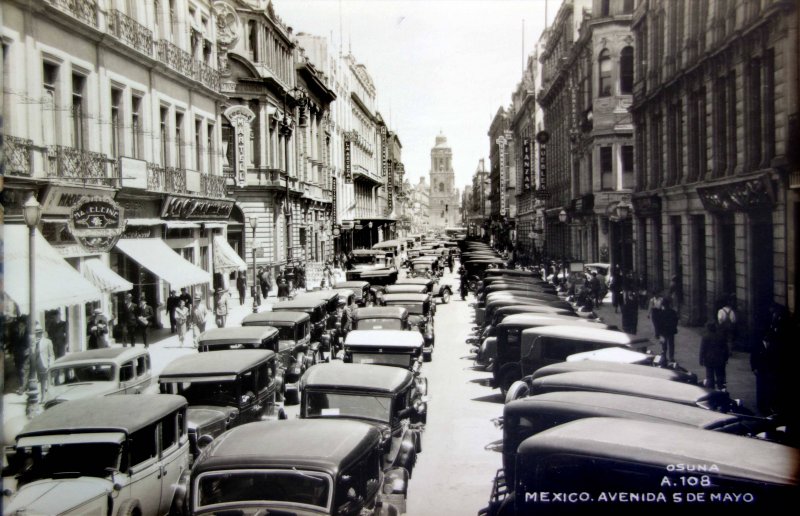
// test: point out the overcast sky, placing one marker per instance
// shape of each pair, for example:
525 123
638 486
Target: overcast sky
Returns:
438 65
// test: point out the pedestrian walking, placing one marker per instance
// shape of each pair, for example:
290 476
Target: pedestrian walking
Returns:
616 289
97 330
630 311
450 262
327 275
42 357
186 297
714 356
57 330
241 286
654 307
22 351
676 291
594 288
172 304
181 319
145 319
773 365
265 279
221 307
669 327
199 317
283 289
130 320
726 319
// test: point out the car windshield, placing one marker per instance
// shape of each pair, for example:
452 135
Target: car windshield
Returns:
421 266
413 308
205 393
69 460
324 404
262 486
392 359
82 373
380 324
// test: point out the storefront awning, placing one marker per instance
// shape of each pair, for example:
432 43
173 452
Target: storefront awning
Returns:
57 283
159 258
104 278
225 258
181 224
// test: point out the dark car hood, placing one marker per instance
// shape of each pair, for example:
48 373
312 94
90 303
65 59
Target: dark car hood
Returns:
202 416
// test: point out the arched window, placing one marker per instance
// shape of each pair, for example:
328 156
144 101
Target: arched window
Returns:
441 187
605 73
626 70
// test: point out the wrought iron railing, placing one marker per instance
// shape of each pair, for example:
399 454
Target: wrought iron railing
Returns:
212 186
176 58
155 177
207 75
84 10
131 32
17 156
81 166
175 180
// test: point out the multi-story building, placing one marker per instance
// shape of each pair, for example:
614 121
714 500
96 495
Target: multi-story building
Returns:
420 206
503 179
395 181
479 210
715 111
118 101
443 207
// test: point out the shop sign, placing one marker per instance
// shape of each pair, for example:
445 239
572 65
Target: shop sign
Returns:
384 161
240 118
333 199
348 169
188 208
60 200
501 143
748 195
390 190
526 164
542 137
138 232
97 223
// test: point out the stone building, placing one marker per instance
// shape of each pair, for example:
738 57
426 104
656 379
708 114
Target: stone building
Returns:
715 110
502 177
444 202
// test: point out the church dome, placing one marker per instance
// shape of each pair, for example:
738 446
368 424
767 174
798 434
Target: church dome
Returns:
441 141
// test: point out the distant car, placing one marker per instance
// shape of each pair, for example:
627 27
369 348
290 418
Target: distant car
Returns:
381 318
420 314
98 372
361 290
119 455
300 467
435 289
395 348
317 311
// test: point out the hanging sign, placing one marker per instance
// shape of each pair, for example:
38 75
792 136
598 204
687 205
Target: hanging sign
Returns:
501 143
348 169
526 164
97 223
384 161
335 213
240 118
390 190
542 137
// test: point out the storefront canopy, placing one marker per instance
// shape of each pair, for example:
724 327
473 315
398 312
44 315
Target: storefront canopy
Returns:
57 283
225 258
104 278
156 256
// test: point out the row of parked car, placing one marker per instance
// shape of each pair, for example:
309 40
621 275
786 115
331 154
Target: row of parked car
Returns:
590 422
202 446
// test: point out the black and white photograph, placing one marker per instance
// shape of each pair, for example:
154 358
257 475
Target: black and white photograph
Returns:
399 257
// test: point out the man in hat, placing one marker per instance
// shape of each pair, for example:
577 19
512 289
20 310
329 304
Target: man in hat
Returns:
221 307
129 313
172 305
198 318
42 357
186 297
144 318
97 329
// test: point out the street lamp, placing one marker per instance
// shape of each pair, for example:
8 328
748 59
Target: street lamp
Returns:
254 224
623 211
562 217
32 213
300 99
370 234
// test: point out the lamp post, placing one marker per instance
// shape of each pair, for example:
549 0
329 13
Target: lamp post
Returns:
562 217
623 211
370 234
254 224
300 99
32 213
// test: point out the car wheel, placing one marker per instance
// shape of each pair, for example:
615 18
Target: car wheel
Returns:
292 398
472 285
518 389
446 297
129 508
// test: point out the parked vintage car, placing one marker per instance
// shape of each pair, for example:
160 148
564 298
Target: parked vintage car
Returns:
675 375
425 267
484 315
317 311
547 345
381 318
331 299
385 347
420 314
119 455
435 289
301 466
626 466
392 399
361 290
236 386
98 372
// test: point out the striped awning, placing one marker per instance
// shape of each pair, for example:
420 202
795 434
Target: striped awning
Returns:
104 278
156 256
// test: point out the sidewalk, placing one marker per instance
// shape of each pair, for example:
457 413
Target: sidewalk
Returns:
740 379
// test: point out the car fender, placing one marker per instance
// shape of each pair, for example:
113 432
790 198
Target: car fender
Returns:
407 455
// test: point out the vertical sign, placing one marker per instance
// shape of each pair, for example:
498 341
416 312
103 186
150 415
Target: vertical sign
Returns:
501 145
240 118
542 137
526 164
390 189
384 161
348 171
333 200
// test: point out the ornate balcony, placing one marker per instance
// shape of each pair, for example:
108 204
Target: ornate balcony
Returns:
130 32
212 186
166 179
84 10
176 58
80 166
207 75
18 156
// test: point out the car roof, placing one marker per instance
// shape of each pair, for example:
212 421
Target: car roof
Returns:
613 367
323 444
275 318
352 284
590 333
119 413
367 252
400 297
385 338
602 404
405 289
241 334
367 377
298 303
663 445
372 312
116 354
414 281
547 319
317 294
511 272
233 361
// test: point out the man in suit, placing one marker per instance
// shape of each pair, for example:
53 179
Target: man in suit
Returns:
42 357
145 318
129 313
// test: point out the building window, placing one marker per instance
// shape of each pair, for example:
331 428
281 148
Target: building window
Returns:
655 150
626 70
721 140
769 106
605 73
6 90
136 126
163 128
209 148
606 169
78 111
198 145
116 122
50 104
179 144
604 7
627 6
252 39
627 166
753 133
731 106
674 147
441 187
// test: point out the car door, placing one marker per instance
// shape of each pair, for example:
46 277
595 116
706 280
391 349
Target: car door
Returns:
143 375
173 455
127 377
145 470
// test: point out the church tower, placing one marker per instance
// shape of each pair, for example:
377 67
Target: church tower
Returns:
444 203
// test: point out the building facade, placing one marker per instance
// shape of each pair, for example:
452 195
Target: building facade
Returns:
443 203
502 178
715 111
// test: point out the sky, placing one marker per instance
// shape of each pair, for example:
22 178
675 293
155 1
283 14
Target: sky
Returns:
438 65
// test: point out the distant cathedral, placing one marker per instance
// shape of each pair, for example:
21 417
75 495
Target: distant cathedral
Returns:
444 199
